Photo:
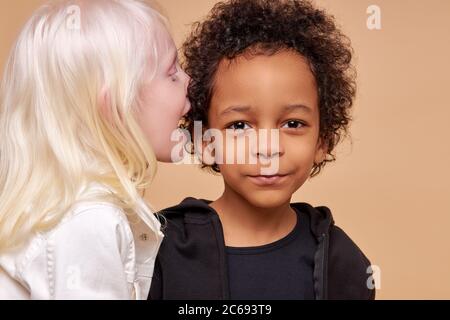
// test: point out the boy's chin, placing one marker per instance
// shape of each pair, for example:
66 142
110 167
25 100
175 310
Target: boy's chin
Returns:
268 200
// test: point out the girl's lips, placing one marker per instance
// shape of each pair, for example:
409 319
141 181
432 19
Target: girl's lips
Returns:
267 180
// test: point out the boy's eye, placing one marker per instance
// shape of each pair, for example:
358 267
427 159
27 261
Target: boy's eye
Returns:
240 125
293 124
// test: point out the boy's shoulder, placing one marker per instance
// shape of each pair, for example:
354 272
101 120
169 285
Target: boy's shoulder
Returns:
187 212
348 268
188 207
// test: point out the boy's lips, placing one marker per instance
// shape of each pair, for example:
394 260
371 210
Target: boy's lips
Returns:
268 180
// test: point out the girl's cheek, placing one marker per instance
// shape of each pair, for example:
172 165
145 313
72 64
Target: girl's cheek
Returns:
181 93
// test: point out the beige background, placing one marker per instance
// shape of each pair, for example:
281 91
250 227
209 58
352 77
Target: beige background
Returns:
389 189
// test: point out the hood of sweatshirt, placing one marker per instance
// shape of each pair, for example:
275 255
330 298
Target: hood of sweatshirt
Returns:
321 217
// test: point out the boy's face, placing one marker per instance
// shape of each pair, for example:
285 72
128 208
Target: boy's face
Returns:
268 92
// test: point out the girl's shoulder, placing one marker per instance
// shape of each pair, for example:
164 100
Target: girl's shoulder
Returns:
98 214
85 226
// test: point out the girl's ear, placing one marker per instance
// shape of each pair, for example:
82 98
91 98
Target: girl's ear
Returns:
321 151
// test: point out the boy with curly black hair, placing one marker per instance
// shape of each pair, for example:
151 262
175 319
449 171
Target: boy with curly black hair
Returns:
265 65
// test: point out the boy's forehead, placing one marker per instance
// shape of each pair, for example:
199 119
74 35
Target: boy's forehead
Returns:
286 60
285 72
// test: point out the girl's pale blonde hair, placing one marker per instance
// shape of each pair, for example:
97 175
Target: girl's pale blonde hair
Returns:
55 139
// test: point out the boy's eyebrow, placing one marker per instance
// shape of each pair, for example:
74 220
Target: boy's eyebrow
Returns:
244 109
293 107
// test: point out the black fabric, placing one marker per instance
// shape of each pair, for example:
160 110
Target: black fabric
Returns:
192 262
282 270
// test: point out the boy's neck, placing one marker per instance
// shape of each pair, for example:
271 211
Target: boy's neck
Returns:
245 225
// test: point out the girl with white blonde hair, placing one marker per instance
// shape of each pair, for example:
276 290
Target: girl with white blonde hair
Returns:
90 96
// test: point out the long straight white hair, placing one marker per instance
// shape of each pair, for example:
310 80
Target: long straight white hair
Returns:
54 138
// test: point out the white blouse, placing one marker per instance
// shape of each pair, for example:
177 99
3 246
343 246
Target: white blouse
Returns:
94 253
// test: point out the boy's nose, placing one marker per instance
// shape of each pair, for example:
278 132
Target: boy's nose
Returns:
268 144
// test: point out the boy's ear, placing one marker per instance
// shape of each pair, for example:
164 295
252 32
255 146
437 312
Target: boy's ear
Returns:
199 144
321 151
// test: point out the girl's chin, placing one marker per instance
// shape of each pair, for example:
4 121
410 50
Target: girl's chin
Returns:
167 158
171 151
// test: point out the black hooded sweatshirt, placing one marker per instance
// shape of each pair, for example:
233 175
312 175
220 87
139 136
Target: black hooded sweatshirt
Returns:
192 261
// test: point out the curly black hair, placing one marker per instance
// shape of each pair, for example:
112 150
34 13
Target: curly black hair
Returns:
265 27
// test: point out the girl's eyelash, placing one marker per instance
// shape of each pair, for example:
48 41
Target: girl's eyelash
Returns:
173 70
176 68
